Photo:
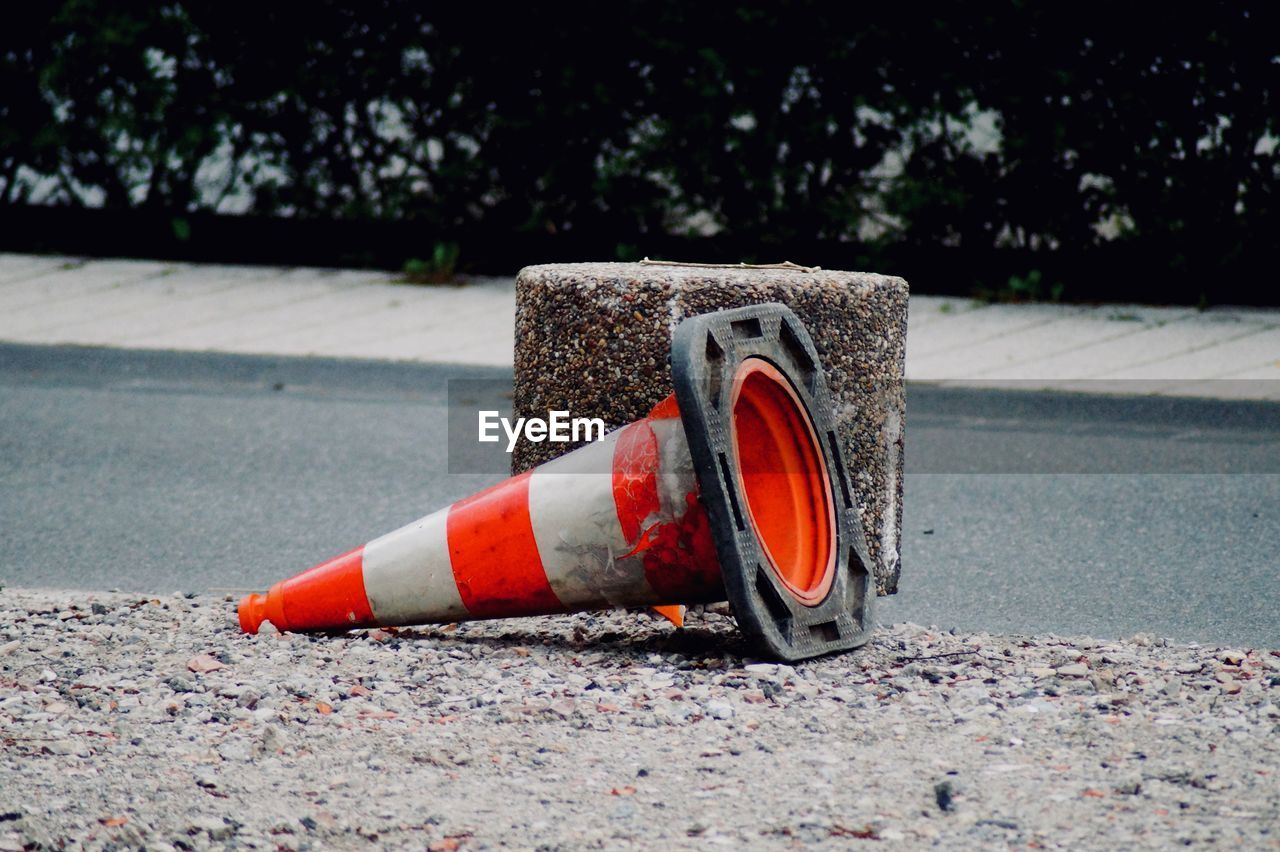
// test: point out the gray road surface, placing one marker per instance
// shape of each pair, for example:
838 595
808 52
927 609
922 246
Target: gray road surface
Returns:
1028 512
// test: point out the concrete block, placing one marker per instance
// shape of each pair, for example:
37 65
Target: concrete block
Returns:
593 339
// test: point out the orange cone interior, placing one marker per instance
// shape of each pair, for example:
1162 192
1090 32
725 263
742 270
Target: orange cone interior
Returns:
784 480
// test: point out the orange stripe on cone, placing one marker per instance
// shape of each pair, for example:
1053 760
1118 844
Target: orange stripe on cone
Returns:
635 483
330 595
494 554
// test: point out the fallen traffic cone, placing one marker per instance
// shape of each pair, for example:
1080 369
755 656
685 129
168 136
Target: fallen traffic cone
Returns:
732 488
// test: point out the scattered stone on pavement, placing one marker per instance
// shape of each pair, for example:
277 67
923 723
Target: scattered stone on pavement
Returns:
152 721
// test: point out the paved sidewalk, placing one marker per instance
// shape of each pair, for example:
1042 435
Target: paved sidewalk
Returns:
1222 352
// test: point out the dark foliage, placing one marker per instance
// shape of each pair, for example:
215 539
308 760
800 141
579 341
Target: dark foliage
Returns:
1106 152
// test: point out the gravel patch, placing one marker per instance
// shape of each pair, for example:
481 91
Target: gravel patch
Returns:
131 721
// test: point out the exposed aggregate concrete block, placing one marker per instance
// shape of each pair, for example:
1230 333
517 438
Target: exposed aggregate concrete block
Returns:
594 339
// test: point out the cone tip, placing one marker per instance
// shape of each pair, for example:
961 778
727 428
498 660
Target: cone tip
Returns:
252 612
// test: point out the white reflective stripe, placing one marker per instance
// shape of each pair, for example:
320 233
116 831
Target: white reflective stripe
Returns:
408 577
576 527
676 476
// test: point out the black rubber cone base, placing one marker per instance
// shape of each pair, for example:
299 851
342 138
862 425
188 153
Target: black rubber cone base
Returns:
706 354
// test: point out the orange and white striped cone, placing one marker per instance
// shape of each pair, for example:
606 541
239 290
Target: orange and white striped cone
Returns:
652 515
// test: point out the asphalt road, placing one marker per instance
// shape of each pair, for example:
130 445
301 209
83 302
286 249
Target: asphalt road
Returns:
1025 512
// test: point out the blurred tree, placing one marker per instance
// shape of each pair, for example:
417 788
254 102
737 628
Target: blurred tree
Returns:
1023 135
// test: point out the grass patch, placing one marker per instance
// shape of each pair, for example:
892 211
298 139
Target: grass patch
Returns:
1031 287
439 268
